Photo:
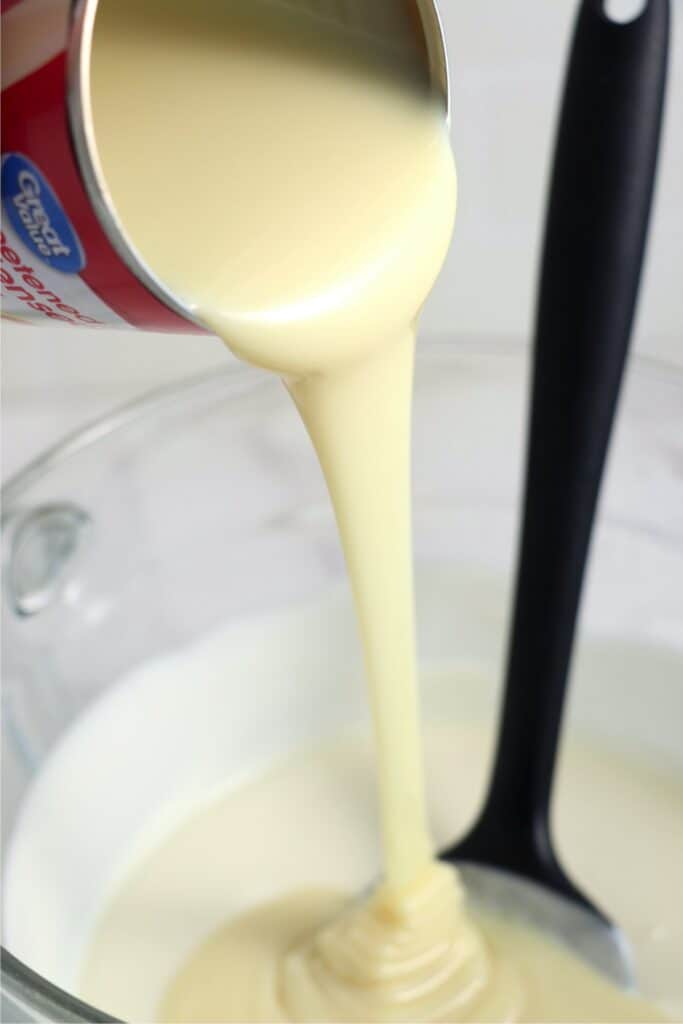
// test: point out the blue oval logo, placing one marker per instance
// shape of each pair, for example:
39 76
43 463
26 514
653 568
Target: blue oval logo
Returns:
35 213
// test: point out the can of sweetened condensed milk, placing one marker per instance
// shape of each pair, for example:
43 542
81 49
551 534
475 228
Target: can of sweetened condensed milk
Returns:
66 256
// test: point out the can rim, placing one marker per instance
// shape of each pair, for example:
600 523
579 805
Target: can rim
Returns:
437 54
82 131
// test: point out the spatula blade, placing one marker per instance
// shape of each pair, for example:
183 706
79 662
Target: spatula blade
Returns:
599 944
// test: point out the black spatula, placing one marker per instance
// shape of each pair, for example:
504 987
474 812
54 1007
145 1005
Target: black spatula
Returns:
600 197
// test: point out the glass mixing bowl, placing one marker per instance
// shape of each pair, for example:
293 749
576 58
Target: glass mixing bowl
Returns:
204 503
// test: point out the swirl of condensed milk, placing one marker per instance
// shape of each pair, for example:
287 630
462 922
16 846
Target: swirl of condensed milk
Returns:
406 956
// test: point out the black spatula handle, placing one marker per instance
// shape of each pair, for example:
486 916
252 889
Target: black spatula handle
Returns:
596 225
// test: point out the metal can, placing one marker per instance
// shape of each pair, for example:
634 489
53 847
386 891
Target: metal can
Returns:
65 256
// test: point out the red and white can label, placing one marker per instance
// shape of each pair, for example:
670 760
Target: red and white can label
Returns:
57 263
42 256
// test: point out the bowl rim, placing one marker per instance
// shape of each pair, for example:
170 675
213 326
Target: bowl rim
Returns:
34 992
19 981
101 427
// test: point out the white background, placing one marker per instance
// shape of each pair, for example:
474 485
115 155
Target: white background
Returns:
506 61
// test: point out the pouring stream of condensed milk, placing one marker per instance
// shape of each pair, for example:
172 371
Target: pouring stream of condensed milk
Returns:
288 175
302 204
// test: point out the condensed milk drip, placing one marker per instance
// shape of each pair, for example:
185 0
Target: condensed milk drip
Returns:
287 173
303 204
